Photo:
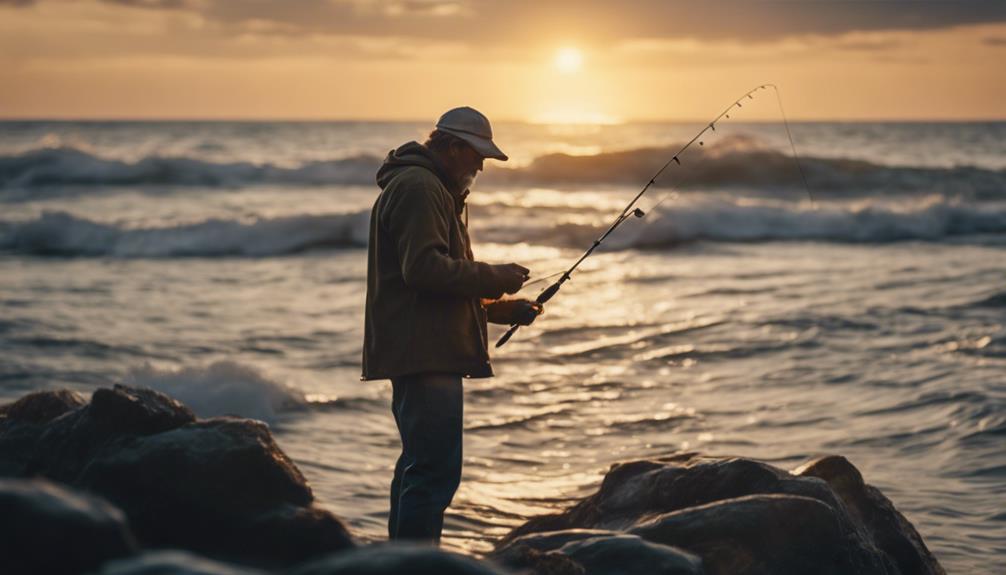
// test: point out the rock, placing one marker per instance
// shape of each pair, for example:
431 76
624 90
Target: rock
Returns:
173 563
550 540
743 516
396 559
630 554
22 422
60 448
888 529
45 528
636 489
594 552
526 559
137 411
42 406
221 487
231 466
765 534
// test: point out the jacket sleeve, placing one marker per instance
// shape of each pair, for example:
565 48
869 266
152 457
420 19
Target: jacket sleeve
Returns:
418 222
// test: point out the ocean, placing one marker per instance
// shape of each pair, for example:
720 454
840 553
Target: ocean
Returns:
747 314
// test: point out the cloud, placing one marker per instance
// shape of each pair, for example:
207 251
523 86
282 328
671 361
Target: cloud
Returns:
869 45
488 20
602 21
156 4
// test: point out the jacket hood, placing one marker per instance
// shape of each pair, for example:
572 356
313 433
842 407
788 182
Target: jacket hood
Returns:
416 154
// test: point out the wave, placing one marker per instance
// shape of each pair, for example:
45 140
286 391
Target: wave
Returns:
930 219
61 233
994 300
222 388
688 220
733 161
232 388
741 160
69 166
723 218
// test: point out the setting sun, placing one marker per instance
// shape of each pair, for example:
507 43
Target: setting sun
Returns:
568 60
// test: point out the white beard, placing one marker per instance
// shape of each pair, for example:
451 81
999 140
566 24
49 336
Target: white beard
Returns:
468 180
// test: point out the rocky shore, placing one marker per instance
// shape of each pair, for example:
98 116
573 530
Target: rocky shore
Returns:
132 482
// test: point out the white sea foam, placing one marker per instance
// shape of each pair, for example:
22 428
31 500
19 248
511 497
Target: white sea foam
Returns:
693 218
61 233
736 161
723 218
60 166
221 388
929 219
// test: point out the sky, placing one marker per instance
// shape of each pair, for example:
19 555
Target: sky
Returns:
540 60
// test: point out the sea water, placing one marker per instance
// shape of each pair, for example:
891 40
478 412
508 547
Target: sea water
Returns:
749 313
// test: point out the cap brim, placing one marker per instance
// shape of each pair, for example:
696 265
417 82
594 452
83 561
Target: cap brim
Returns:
483 146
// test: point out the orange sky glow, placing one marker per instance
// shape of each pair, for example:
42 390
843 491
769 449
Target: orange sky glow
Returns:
358 59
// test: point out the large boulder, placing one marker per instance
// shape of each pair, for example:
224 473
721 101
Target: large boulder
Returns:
33 442
887 528
220 486
766 534
45 528
741 517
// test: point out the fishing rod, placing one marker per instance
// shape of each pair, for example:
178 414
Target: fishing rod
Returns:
631 209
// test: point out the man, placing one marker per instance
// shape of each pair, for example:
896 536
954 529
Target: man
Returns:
428 302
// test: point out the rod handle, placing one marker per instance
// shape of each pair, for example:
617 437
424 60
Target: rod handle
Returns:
506 336
549 292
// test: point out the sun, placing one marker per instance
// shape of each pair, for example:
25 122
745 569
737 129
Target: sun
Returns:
568 60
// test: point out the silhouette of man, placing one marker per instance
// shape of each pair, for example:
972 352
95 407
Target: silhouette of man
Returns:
428 301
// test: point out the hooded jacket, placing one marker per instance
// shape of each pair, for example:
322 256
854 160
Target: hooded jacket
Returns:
424 288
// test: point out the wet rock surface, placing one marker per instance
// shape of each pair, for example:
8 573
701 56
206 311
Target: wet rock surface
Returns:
218 486
738 516
46 528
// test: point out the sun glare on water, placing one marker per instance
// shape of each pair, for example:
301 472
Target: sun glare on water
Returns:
568 60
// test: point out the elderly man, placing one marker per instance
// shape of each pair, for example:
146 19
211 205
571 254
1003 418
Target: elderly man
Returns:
428 302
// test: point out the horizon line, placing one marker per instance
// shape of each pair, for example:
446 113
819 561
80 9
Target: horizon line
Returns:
250 119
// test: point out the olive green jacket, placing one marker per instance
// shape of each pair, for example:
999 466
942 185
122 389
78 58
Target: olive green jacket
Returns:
423 286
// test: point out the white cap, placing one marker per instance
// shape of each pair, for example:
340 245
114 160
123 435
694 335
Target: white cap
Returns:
471 126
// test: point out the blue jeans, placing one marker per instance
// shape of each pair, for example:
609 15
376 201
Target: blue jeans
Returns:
429 410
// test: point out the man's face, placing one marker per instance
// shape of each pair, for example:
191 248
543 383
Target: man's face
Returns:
467 163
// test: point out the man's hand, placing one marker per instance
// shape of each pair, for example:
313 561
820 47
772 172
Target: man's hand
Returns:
510 277
514 311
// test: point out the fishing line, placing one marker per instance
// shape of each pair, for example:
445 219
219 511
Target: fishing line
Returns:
539 280
631 210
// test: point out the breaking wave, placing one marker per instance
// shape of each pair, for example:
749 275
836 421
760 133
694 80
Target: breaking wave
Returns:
61 233
221 388
742 161
690 219
232 388
69 166
867 222
733 161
